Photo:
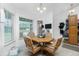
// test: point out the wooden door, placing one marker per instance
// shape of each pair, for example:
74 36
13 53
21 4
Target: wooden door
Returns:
73 29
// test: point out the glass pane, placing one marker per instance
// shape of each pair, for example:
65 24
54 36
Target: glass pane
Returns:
25 26
8 26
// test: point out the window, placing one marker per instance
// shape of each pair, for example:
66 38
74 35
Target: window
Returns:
25 26
8 26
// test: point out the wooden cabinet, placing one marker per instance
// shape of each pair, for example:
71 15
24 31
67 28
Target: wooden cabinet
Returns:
73 29
73 20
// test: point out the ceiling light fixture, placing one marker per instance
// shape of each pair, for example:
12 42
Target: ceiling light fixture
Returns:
38 8
41 11
72 10
41 8
44 8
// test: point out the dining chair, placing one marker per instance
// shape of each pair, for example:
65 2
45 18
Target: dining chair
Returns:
31 34
50 49
49 36
31 47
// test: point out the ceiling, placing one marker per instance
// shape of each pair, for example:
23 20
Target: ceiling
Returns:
29 9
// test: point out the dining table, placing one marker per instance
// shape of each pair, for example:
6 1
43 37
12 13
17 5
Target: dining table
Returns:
41 39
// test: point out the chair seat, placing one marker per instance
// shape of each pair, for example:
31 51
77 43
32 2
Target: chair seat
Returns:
52 44
49 49
35 49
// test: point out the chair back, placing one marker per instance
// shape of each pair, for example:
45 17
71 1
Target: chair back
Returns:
58 43
49 35
31 34
28 42
25 41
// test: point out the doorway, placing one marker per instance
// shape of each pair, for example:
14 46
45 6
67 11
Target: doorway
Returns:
39 24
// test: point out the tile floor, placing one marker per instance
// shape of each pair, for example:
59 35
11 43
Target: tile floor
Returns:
24 51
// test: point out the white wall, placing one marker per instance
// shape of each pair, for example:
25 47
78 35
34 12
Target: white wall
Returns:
48 19
35 26
61 17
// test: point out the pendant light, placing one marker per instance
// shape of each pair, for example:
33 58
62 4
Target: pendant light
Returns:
41 8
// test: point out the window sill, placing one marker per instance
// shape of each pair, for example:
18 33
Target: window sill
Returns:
8 43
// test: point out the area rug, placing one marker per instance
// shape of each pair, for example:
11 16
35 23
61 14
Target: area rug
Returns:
71 47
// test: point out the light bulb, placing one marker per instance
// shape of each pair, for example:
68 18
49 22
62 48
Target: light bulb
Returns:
72 12
38 8
39 19
41 11
44 8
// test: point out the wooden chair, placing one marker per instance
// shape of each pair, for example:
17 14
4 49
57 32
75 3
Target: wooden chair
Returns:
49 36
31 34
51 48
31 47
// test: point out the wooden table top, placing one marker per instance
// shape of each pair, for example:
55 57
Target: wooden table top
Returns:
46 39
